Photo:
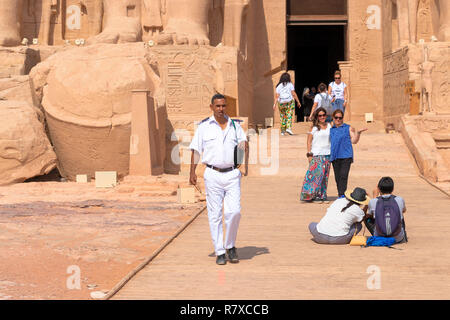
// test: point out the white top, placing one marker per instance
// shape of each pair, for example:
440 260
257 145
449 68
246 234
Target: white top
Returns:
319 99
337 90
321 144
336 223
216 145
285 92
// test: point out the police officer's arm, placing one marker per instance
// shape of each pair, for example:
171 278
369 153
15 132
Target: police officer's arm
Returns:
197 147
244 145
195 157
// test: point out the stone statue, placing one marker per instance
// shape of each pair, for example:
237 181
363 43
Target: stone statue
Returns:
122 22
152 11
426 69
187 22
234 16
415 17
10 18
49 8
444 12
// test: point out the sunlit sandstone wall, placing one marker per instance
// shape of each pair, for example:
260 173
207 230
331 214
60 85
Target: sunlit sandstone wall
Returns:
268 52
365 47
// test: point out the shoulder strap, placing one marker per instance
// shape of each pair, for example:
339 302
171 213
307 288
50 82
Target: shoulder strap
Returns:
204 120
232 122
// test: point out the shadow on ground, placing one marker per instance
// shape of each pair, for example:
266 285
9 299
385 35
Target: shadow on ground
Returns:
247 253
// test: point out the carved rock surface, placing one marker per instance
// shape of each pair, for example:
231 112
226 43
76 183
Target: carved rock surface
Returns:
25 151
86 95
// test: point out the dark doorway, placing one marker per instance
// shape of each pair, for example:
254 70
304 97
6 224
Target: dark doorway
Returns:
313 53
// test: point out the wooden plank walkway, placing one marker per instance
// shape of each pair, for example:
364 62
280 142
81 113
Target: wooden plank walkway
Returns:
278 258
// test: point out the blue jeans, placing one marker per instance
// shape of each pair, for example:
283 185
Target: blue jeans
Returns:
338 104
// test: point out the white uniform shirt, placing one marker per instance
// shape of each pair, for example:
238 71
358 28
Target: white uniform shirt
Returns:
216 145
337 90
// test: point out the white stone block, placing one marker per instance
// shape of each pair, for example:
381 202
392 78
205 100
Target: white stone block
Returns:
105 179
369 117
186 195
82 178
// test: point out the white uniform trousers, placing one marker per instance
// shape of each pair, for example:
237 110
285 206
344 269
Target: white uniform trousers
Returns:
223 190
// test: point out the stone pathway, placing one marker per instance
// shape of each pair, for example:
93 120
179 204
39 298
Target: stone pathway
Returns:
278 258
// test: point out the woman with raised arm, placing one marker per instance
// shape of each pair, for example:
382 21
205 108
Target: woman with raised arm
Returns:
342 136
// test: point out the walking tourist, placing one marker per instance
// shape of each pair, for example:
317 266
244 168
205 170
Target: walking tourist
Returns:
339 93
342 136
318 153
217 140
385 202
307 102
322 99
342 219
285 97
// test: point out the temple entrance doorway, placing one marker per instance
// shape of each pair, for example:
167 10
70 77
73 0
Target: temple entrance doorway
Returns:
316 41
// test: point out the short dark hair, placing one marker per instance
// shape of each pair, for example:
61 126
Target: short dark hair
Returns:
386 185
216 97
322 87
338 111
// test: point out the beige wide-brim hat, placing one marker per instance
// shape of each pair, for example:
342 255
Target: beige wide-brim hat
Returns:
356 195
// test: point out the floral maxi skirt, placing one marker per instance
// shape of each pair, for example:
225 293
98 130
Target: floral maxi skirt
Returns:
316 179
286 115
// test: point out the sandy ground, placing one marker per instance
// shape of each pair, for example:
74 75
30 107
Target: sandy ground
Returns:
54 233
280 261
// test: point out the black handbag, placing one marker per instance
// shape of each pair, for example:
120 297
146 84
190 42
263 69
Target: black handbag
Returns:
238 152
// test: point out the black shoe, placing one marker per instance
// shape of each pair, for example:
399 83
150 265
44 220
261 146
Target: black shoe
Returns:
232 255
221 260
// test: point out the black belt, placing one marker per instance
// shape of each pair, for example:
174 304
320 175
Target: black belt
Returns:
221 169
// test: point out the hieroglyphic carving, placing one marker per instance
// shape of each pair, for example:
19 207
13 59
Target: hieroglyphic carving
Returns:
424 21
361 55
396 75
174 86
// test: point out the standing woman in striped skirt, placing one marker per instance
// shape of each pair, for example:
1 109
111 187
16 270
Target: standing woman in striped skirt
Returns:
319 149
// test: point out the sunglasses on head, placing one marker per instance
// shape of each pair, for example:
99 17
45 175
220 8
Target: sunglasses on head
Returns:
339 118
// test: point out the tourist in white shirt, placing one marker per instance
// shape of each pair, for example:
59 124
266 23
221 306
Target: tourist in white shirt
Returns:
285 97
343 219
339 92
322 99
318 153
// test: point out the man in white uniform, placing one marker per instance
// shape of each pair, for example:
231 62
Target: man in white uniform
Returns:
215 139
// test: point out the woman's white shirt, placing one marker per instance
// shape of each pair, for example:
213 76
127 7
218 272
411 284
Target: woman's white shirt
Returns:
336 223
321 144
337 90
285 92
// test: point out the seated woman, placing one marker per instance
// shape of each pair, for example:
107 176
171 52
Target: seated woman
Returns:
343 217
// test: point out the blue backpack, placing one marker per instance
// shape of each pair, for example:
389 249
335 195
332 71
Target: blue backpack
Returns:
380 242
388 219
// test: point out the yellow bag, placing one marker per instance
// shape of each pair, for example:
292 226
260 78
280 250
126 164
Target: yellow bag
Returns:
358 240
